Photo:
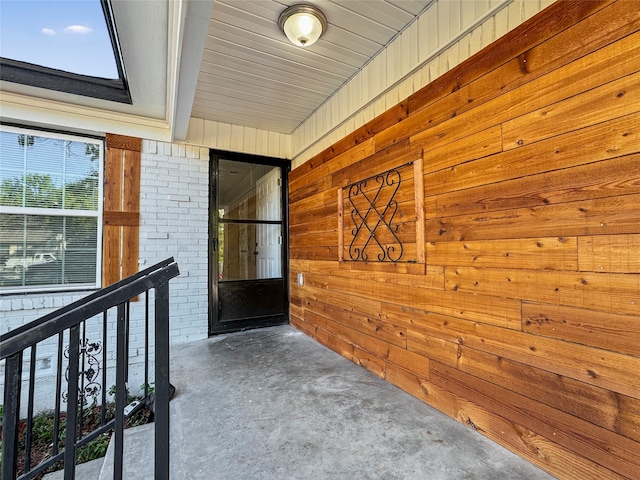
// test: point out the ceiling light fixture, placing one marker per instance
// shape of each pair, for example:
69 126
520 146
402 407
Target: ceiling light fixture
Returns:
302 24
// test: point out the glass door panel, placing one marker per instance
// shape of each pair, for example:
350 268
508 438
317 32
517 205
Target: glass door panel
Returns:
249 251
248 261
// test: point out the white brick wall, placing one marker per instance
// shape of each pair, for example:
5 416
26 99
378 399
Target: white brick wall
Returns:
174 221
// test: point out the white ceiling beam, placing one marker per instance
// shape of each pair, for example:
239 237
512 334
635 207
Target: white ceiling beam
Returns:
188 43
46 113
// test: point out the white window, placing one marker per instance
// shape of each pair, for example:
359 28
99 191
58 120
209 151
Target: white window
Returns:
50 211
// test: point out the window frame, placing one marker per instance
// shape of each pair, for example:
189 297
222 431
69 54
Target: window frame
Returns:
55 212
115 90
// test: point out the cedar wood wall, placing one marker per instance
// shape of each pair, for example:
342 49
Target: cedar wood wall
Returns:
525 323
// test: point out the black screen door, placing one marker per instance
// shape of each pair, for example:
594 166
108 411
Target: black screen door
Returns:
248 261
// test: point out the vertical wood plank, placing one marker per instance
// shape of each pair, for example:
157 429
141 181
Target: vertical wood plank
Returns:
131 203
113 179
502 22
112 234
111 244
444 18
224 136
130 254
250 140
210 133
131 181
237 138
409 49
394 62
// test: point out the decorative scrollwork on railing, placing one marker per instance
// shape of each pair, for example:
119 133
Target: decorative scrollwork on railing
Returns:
373 208
90 370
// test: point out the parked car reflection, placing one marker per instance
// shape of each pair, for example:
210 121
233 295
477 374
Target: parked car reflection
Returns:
74 269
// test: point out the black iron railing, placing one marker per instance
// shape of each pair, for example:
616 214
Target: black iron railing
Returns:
83 364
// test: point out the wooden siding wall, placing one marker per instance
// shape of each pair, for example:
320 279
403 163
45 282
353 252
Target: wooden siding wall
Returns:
526 324
445 34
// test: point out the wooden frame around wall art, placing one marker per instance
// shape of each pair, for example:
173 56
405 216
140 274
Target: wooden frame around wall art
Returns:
417 264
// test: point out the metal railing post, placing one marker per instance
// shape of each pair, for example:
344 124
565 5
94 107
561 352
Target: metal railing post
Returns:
121 391
11 413
72 404
162 382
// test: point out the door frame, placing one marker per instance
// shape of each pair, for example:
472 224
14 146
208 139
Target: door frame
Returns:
214 326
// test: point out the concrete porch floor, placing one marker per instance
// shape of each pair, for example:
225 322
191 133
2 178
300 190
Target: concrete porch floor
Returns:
275 404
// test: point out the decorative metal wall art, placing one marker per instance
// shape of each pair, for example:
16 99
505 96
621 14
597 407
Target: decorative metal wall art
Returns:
89 370
373 207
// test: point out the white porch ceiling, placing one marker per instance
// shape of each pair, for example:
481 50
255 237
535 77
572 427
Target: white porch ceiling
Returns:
250 75
220 60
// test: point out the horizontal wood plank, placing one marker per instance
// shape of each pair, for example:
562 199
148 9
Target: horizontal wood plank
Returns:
539 450
389 267
605 66
609 331
131 219
401 304
451 95
314 239
611 100
609 253
610 139
303 326
322 197
608 449
123 142
370 325
539 30
382 161
613 411
326 337
389 354
322 212
311 172
603 369
360 305
314 253
369 362
555 253
308 190
600 216
475 146
324 224
361 135
607 178
612 292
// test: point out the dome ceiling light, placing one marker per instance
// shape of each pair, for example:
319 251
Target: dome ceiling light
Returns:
302 24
